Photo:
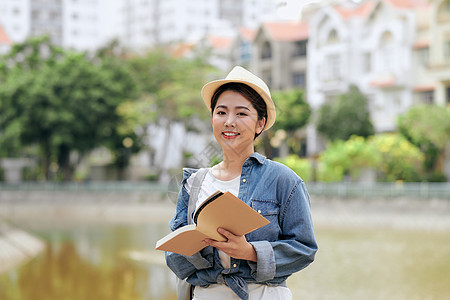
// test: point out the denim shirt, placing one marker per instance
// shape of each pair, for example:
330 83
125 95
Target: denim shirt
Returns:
283 247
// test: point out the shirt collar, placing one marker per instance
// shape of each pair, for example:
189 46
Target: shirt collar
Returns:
258 157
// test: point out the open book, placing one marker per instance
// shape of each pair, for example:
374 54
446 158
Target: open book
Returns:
220 210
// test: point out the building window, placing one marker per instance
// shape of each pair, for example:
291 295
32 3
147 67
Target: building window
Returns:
424 56
387 51
35 14
245 52
333 67
333 37
298 79
266 52
426 97
299 49
447 50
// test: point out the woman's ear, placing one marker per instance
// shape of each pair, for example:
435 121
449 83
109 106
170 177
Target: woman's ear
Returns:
260 125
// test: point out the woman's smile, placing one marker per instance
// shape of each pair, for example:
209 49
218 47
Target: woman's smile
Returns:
230 134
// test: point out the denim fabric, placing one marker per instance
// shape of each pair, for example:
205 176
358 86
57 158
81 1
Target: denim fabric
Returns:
283 247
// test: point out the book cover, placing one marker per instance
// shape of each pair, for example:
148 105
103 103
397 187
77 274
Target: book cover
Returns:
219 210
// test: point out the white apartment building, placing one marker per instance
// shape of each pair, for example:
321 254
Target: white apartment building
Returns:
90 24
439 50
75 24
139 24
370 45
15 18
192 20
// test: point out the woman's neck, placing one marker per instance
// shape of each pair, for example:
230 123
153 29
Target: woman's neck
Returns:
231 166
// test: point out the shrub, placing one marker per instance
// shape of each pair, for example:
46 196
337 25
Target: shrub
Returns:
401 160
301 166
347 158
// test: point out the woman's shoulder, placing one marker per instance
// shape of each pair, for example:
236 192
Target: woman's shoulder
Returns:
282 171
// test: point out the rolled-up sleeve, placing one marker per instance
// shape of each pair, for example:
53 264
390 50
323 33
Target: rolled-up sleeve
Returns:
264 268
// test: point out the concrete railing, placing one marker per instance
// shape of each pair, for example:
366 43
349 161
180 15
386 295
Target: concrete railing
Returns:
381 190
145 191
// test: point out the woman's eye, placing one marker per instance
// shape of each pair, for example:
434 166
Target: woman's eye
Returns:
242 114
220 112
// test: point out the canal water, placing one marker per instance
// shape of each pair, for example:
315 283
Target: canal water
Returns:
116 261
93 261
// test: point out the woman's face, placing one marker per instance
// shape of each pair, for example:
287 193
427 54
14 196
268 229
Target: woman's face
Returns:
235 122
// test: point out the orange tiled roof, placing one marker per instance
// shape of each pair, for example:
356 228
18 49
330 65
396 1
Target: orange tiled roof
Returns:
366 8
424 88
362 10
247 33
220 42
287 31
384 82
407 3
4 38
421 44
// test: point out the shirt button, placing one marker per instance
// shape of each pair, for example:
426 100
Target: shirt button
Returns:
244 180
234 265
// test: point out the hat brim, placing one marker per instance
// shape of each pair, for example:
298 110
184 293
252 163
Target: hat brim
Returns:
209 89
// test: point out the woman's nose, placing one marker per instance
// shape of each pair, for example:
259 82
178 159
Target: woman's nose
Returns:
230 121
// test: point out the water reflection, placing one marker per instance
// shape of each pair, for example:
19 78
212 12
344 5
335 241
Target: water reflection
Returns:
117 262
92 263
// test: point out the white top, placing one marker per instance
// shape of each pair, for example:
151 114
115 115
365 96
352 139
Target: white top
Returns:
209 186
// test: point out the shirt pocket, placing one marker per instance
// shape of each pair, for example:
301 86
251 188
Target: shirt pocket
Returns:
270 210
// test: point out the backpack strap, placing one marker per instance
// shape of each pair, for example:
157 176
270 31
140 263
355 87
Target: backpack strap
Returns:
195 190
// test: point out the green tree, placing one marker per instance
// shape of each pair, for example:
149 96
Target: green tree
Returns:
346 116
126 136
171 86
428 127
60 101
293 113
169 90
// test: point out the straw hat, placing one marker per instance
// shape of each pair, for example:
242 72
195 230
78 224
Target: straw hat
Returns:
239 74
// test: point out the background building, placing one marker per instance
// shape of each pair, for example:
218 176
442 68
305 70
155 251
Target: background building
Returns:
138 24
370 45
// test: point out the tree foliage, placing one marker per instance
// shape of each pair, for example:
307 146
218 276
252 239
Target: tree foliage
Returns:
346 116
60 101
170 86
428 127
293 111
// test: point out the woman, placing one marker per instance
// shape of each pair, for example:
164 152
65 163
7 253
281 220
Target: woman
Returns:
254 266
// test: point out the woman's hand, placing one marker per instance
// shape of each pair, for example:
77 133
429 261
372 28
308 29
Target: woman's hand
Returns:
236 246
